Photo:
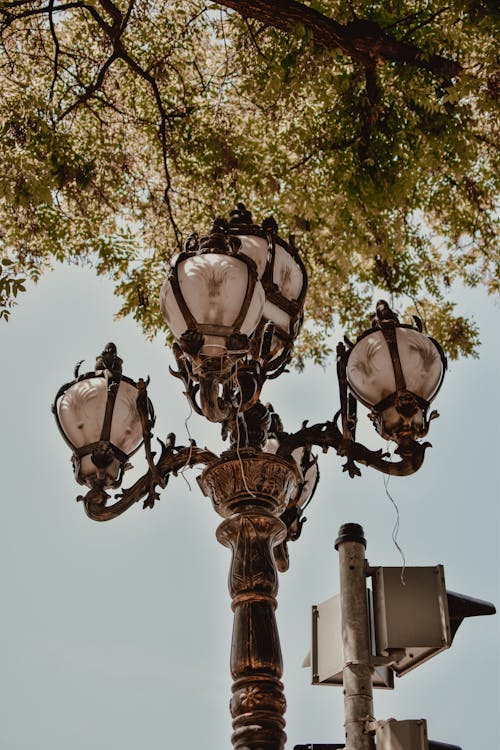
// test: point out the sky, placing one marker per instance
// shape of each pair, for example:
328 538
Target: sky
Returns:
117 635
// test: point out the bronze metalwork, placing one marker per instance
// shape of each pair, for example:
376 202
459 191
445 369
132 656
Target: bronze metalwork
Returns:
172 459
257 493
251 491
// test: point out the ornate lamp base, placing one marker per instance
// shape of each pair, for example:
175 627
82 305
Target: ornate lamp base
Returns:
251 491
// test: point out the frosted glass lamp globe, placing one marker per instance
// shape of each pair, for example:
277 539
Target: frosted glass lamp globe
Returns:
214 299
98 417
396 371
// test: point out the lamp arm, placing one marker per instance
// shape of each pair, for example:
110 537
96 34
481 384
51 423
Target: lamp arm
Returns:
170 462
212 406
411 461
327 435
185 373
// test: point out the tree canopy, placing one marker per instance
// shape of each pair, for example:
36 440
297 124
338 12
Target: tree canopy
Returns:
366 128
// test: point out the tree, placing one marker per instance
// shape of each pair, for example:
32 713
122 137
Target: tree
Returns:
366 128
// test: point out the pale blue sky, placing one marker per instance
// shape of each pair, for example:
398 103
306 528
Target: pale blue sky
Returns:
117 635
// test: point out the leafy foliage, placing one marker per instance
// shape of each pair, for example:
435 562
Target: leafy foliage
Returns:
126 126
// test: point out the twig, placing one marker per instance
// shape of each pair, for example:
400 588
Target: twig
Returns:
57 49
93 88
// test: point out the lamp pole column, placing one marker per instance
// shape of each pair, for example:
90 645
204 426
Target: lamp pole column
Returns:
251 491
357 674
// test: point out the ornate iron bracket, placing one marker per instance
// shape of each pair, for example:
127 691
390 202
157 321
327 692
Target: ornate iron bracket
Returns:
171 460
328 435
240 393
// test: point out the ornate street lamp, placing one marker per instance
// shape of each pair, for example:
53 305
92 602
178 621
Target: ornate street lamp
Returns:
98 417
234 302
396 371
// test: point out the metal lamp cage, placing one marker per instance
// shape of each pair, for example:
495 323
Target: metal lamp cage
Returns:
407 402
109 460
274 275
198 333
274 270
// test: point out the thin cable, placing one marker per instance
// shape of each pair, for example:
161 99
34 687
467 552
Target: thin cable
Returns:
182 471
231 369
395 530
225 356
238 435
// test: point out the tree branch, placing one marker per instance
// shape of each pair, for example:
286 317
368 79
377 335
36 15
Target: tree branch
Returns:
130 9
93 88
114 12
56 48
364 41
10 18
113 31
325 147
426 21
162 129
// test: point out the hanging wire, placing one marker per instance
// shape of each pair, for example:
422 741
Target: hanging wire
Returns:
231 360
229 363
235 384
228 366
395 530
182 471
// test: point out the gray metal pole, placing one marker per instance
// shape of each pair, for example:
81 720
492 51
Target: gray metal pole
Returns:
357 675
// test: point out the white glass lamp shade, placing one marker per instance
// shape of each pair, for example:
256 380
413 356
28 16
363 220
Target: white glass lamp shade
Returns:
309 473
81 411
271 446
257 249
283 279
288 280
287 273
213 287
370 371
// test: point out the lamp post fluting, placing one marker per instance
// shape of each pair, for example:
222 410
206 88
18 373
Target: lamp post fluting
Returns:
234 301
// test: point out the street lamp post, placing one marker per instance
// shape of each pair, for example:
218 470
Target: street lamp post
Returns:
234 301
357 674
407 617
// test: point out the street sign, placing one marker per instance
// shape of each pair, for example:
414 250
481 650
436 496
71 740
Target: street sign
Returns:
412 618
415 617
409 734
327 656
411 615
